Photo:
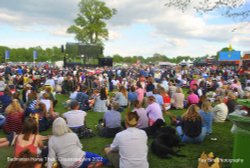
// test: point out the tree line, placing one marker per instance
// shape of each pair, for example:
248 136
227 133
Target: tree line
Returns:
26 54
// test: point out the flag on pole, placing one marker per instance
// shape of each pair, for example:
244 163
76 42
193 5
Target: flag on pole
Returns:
34 54
7 54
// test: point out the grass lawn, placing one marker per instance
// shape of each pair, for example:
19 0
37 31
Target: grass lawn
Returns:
222 147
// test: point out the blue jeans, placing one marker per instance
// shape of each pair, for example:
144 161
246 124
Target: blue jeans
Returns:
187 139
92 157
2 120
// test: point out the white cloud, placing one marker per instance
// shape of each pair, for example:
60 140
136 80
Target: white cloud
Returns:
114 35
178 33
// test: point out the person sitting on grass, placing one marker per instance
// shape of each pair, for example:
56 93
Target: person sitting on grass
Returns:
129 148
220 111
178 98
132 95
29 138
122 97
190 128
111 122
100 102
207 115
192 98
76 120
27 159
65 144
14 118
154 111
142 113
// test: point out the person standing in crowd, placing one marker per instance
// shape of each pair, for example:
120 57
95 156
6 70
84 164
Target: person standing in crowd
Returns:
131 144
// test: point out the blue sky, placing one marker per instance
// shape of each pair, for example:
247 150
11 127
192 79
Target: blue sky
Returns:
141 27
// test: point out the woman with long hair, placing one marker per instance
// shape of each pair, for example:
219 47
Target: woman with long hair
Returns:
190 128
207 115
122 97
100 102
14 117
29 138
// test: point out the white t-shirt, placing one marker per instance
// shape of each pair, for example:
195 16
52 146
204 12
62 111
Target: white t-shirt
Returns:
132 146
75 118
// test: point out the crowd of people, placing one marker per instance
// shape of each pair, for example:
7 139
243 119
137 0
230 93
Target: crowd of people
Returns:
144 94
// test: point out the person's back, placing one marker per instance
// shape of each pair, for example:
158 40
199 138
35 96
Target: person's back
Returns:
143 118
193 99
132 148
66 146
112 119
100 105
75 118
178 100
14 122
29 139
131 145
220 112
121 99
207 119
32 144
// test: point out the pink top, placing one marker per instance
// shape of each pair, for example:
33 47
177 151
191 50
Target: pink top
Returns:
140 94
31 147
193 99
154 112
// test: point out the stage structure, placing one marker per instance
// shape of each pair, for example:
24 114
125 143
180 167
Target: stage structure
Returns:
87 53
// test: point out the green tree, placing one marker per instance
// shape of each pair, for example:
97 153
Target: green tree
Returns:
90 26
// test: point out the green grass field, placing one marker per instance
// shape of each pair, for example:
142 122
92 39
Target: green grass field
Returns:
222 147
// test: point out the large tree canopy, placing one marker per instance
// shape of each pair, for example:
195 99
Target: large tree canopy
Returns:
90 26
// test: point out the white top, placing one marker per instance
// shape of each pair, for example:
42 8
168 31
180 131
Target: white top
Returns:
220 112
67 148
133 149
75 118
47 104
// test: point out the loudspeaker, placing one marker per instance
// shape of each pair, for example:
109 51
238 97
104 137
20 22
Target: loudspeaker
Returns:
105 61
62 48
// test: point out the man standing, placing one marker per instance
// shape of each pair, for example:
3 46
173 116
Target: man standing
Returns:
131 145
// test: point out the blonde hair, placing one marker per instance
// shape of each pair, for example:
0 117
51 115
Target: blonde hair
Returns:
192 113
178 90
206 106
60 127
14 107
231 96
